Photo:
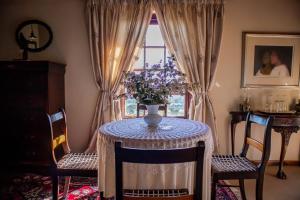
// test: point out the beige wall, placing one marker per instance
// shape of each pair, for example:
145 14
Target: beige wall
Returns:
250 15
70 46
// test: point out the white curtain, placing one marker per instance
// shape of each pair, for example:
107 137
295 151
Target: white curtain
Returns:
192 30
116 31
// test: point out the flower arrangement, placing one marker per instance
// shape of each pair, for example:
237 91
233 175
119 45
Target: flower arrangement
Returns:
155 84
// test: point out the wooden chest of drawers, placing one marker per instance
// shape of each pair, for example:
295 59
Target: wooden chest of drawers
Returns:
29 89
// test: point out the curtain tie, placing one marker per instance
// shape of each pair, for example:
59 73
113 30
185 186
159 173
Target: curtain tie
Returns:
110 93
200 93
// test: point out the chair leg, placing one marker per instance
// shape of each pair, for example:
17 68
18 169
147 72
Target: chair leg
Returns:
55 188
242 188
213 190
259 188
101 196
66 187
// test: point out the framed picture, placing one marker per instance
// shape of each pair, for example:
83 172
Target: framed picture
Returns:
270 59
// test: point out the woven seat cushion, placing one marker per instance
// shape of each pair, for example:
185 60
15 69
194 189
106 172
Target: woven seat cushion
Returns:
229 163
79 161
157 194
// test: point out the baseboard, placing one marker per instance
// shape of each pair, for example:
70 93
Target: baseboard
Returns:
286 162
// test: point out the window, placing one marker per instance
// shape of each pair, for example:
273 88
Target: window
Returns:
154 51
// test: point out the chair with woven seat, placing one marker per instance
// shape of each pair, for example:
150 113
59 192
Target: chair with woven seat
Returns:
229 167
143 107
171 156
63 162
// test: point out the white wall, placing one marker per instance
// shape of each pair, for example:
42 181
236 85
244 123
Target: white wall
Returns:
70 46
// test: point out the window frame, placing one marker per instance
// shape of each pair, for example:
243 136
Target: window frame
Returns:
187 95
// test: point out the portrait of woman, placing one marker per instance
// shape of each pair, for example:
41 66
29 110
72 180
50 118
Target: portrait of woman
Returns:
266 67
280 68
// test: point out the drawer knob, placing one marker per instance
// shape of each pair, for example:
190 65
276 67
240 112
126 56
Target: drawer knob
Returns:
11 66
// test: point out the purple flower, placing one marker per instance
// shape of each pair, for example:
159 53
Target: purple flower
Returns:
156 83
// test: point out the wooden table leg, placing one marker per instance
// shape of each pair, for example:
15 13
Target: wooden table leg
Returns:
232 127
285 138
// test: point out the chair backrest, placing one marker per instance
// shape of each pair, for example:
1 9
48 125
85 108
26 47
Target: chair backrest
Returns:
265 146
140 107
59 135
159 157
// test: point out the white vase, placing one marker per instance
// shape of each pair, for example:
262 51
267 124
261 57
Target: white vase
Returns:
153 118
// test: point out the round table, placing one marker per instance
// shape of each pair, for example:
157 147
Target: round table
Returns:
171 133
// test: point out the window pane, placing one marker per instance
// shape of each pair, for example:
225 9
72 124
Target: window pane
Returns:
151 55
153 36
139 64
130 107
176 106
154 55
168 54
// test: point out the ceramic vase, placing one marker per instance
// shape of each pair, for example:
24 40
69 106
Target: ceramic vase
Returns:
153 118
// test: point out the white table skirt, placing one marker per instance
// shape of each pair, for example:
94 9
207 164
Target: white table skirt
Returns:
174 133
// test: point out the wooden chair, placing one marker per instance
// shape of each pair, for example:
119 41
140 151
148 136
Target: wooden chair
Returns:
140 107
159 157
63 162
226 167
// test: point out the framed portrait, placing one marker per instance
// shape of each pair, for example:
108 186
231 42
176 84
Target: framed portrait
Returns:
270 59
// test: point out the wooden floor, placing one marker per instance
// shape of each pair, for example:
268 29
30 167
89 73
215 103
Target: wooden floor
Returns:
277 189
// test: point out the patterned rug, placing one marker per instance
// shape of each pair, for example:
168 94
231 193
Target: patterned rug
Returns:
35 187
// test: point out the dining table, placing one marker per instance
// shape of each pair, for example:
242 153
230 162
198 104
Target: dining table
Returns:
171 133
